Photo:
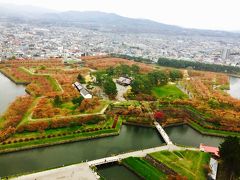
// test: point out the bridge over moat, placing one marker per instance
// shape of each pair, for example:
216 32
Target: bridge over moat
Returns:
163 133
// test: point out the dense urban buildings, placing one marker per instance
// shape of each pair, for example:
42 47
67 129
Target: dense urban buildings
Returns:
35 41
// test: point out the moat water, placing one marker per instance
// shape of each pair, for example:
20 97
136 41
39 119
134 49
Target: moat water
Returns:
131 138
8 92
234 87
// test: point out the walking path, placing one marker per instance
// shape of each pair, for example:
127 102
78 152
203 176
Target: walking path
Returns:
121 91
84 172
74 172
213 164
140 153
163 133
185 91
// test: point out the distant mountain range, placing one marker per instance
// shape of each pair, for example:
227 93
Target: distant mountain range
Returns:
16 11
101 21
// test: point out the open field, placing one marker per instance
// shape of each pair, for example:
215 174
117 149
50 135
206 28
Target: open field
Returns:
104 63
143 168
187 163
169 91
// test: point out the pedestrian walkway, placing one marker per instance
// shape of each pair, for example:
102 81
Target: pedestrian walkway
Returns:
163 133
140 153
73 172
83 170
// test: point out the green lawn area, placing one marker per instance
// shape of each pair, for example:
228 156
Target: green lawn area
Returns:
1 122
69 109
169 91
186 163
143 168
127 103
71 61
68 105
54 83
73 108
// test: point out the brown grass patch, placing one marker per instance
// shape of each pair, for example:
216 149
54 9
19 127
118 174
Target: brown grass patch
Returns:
100 63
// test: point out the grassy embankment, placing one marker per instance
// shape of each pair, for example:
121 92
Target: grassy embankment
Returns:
190 164
55 85
13 79
143 168
60 136
200 117
207 131
212 132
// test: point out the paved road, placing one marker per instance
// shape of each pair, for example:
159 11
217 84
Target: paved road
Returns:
73 172
121 91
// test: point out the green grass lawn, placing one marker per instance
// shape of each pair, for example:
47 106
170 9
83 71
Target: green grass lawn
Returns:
69 105
144 168
170 92
186 163
73 108
54 83
1 122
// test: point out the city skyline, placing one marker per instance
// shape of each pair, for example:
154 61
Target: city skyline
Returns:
203 14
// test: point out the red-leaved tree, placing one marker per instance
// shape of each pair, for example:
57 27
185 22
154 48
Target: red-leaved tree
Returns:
158 115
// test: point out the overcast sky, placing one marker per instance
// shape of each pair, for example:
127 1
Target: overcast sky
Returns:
205 14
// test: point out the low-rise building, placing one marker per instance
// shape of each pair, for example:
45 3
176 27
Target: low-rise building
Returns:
84 92
124 81
210 149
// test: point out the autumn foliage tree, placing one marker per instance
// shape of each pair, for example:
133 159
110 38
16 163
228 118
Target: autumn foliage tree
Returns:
88 104
158 115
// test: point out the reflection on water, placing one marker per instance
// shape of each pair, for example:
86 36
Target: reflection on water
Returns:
234 87
185 135
116 172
